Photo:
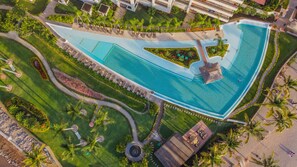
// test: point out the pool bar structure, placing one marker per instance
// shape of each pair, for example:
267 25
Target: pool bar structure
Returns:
247 41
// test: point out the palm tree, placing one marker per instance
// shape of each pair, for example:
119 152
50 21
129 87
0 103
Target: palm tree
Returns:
196 161
36 157
59 128
93 145
102 119
290 83
167 23
266 161
176 23
277 98
282 119
74 111
252 128
70 152
231 141
213 157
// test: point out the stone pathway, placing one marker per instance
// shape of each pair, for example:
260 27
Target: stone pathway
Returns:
14 36
189 17
262 80
50 9
119 13
272 140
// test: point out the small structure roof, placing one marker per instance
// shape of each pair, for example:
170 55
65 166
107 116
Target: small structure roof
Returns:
87 8
178 149
211 72
103 9
261 2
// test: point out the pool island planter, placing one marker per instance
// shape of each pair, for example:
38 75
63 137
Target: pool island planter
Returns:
180 56
215 100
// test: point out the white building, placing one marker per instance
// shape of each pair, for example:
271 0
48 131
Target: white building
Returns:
222 9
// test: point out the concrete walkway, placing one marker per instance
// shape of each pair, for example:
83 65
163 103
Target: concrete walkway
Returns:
50 9
262 80
273 141
14 36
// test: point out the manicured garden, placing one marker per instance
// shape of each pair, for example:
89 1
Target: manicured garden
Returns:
44 95
181 56
35 7
154 16
28 115
219 50
287 46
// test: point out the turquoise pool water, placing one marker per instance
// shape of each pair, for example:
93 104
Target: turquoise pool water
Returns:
217 99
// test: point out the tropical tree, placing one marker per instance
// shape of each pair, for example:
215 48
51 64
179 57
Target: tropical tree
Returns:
103 120
252 128
176 23
74 110
36 157
93 145
197 161
277 98
266 161
289 83
59 128
231 141
213 157
167 23
282 119
70 151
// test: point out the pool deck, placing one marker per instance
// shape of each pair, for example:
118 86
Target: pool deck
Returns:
164 36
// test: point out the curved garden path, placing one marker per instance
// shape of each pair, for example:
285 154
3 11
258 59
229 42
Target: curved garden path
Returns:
262 79
14 36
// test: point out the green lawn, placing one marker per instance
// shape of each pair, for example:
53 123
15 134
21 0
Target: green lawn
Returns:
35 7
287 46
158 17
72 7
44 95
178 121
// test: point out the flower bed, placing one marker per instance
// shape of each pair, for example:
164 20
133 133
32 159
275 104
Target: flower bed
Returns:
27 115
181 56
217 51
76 85
39 67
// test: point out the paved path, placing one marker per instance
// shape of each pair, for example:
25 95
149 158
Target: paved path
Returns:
164 36
273 139
5 7
262 80
14 36
156 125
50 9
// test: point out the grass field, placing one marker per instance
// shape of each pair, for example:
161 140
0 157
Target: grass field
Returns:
44 95
159 17
287 46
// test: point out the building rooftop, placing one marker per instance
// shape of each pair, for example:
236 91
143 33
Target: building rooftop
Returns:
87 8
103 9
261 2
211 72
178 149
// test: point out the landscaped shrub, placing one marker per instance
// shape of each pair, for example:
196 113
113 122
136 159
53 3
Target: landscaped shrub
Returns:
181 56
69 19
219 50
27 115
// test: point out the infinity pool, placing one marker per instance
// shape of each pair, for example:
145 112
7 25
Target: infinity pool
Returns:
217 99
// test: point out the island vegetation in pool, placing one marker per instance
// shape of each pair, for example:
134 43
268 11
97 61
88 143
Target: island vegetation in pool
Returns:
181 56
219 50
